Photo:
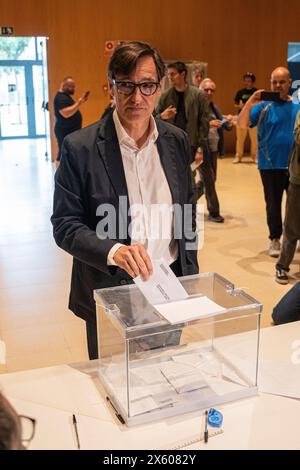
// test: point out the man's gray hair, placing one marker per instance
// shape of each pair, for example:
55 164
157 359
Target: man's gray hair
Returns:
205 81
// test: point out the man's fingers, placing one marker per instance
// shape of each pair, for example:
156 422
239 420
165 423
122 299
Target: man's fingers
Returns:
126 266
142 261
135 260
130 261
146 265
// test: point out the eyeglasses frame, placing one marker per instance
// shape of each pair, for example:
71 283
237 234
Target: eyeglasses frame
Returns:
135 86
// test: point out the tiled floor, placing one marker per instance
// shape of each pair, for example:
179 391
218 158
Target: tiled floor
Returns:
34 319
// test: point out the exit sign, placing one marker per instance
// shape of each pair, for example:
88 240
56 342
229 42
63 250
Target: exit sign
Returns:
6 30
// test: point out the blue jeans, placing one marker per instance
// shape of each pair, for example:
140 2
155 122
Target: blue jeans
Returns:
288 308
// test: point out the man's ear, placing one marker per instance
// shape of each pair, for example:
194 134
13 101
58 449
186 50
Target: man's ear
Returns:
111 87
160 87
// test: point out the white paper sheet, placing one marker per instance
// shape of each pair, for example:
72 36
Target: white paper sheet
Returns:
2 352
279 378
162 286
189 309
55 392
54 427
183 377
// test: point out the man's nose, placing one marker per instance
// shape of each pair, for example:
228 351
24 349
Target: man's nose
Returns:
137 95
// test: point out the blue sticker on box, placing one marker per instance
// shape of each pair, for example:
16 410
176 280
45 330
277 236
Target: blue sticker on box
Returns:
215 418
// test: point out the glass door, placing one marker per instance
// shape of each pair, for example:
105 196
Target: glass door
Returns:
294 68
13 101
23 88
40 103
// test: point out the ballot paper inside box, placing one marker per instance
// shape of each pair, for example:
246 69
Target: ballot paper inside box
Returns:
152 368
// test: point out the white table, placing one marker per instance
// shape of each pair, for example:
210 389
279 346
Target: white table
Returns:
53 394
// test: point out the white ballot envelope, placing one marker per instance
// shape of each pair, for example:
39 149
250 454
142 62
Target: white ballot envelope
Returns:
165 292
163 286
189 309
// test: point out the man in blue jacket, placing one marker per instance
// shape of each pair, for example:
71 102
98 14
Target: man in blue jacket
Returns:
275 124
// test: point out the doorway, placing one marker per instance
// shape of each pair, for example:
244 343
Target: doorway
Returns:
294 68
23 88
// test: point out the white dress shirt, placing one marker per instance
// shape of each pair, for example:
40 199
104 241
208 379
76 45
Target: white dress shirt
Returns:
149 196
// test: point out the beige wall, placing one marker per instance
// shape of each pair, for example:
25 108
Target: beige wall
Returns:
233 36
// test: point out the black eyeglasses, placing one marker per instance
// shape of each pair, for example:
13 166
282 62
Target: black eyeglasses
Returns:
28 429
128 88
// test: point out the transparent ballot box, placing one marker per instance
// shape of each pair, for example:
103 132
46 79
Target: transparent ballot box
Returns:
151 368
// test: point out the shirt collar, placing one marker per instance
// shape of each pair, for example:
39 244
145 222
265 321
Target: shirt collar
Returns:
125 139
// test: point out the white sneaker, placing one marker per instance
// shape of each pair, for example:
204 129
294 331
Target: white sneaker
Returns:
274 248
281 276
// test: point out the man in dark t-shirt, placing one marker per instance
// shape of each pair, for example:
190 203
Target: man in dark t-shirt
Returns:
67 115
240 99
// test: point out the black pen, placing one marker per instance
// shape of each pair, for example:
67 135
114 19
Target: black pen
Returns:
120 418
76 431
206 430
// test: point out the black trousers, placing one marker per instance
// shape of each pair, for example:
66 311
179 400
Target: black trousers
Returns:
91 324
208 172
275 182
291 227
92 340
60 134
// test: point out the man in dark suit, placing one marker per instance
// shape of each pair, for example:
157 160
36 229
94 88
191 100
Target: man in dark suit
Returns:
128 159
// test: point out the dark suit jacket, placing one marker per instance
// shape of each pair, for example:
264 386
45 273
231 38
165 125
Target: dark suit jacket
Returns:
91 173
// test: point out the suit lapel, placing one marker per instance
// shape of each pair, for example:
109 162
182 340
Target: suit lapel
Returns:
167 153
110 153
166 150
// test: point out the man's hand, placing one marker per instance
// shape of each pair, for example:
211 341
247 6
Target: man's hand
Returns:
84 97
216 123
230 119
244 116
168 113
135 260
71 110
255 98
